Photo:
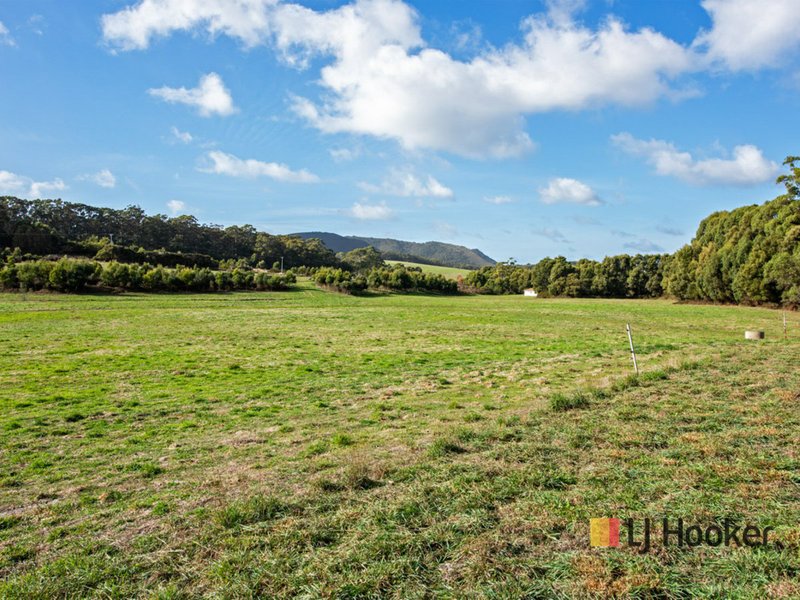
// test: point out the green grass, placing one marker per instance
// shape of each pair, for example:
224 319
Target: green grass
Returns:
310 444
449 272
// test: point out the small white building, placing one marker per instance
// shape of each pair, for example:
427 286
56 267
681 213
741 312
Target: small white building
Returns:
530 292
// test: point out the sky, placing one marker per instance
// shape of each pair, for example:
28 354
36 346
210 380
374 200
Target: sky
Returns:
522 128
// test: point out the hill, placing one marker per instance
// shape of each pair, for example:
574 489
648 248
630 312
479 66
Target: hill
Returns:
439 253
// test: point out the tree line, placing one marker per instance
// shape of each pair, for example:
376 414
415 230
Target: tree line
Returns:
384 277
623 276
75 275
54 227
750 255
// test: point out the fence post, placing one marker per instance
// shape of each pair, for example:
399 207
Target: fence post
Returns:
633 352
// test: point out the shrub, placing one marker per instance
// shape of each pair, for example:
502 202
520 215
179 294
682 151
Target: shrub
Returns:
8 277
340 280
116 275
34 275
68 275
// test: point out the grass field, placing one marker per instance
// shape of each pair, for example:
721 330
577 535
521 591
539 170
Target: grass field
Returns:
313 445
449 272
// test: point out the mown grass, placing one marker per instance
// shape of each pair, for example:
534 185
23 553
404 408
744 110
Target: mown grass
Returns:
449 272
308 445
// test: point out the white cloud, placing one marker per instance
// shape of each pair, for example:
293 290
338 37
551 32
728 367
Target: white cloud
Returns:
344 154
747 166
41 188
209 97
382 81
379 78
183 137
427 99
11 183
176 207
371 212
135 26
498 199
36 24
19 185
228 164
407 184
5 36
747 35
103 178
563 190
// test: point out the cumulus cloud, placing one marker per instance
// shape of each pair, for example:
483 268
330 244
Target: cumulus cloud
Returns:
176 207
39 189
228 164
103 178
406 183
371 212
498 199
210 97
424 98
134 27
746 167
5 36
563 190
19 185
184 137
747 35
380 78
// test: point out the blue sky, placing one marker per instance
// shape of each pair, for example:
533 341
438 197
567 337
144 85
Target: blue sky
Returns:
524 129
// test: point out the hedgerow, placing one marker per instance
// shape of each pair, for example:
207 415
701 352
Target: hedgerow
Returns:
74 275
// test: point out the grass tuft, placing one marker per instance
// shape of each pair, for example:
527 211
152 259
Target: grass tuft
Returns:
257 509
443 447
560 401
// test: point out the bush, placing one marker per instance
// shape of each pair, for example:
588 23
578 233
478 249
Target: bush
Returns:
34 275
8 277
69 275
340 280
116 275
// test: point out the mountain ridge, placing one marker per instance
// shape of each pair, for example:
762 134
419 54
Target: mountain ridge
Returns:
441 253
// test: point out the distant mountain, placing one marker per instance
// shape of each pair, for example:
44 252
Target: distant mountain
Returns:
439 253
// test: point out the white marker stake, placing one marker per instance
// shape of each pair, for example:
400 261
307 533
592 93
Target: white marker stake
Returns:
633 352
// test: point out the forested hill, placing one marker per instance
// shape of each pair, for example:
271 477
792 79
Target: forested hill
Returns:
438 253
46 227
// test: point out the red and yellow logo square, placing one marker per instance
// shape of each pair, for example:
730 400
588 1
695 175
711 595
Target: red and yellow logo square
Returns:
604 533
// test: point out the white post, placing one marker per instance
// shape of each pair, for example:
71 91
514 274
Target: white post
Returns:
633 352
281 265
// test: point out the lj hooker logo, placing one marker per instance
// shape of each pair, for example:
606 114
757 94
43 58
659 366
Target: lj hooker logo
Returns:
606 533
